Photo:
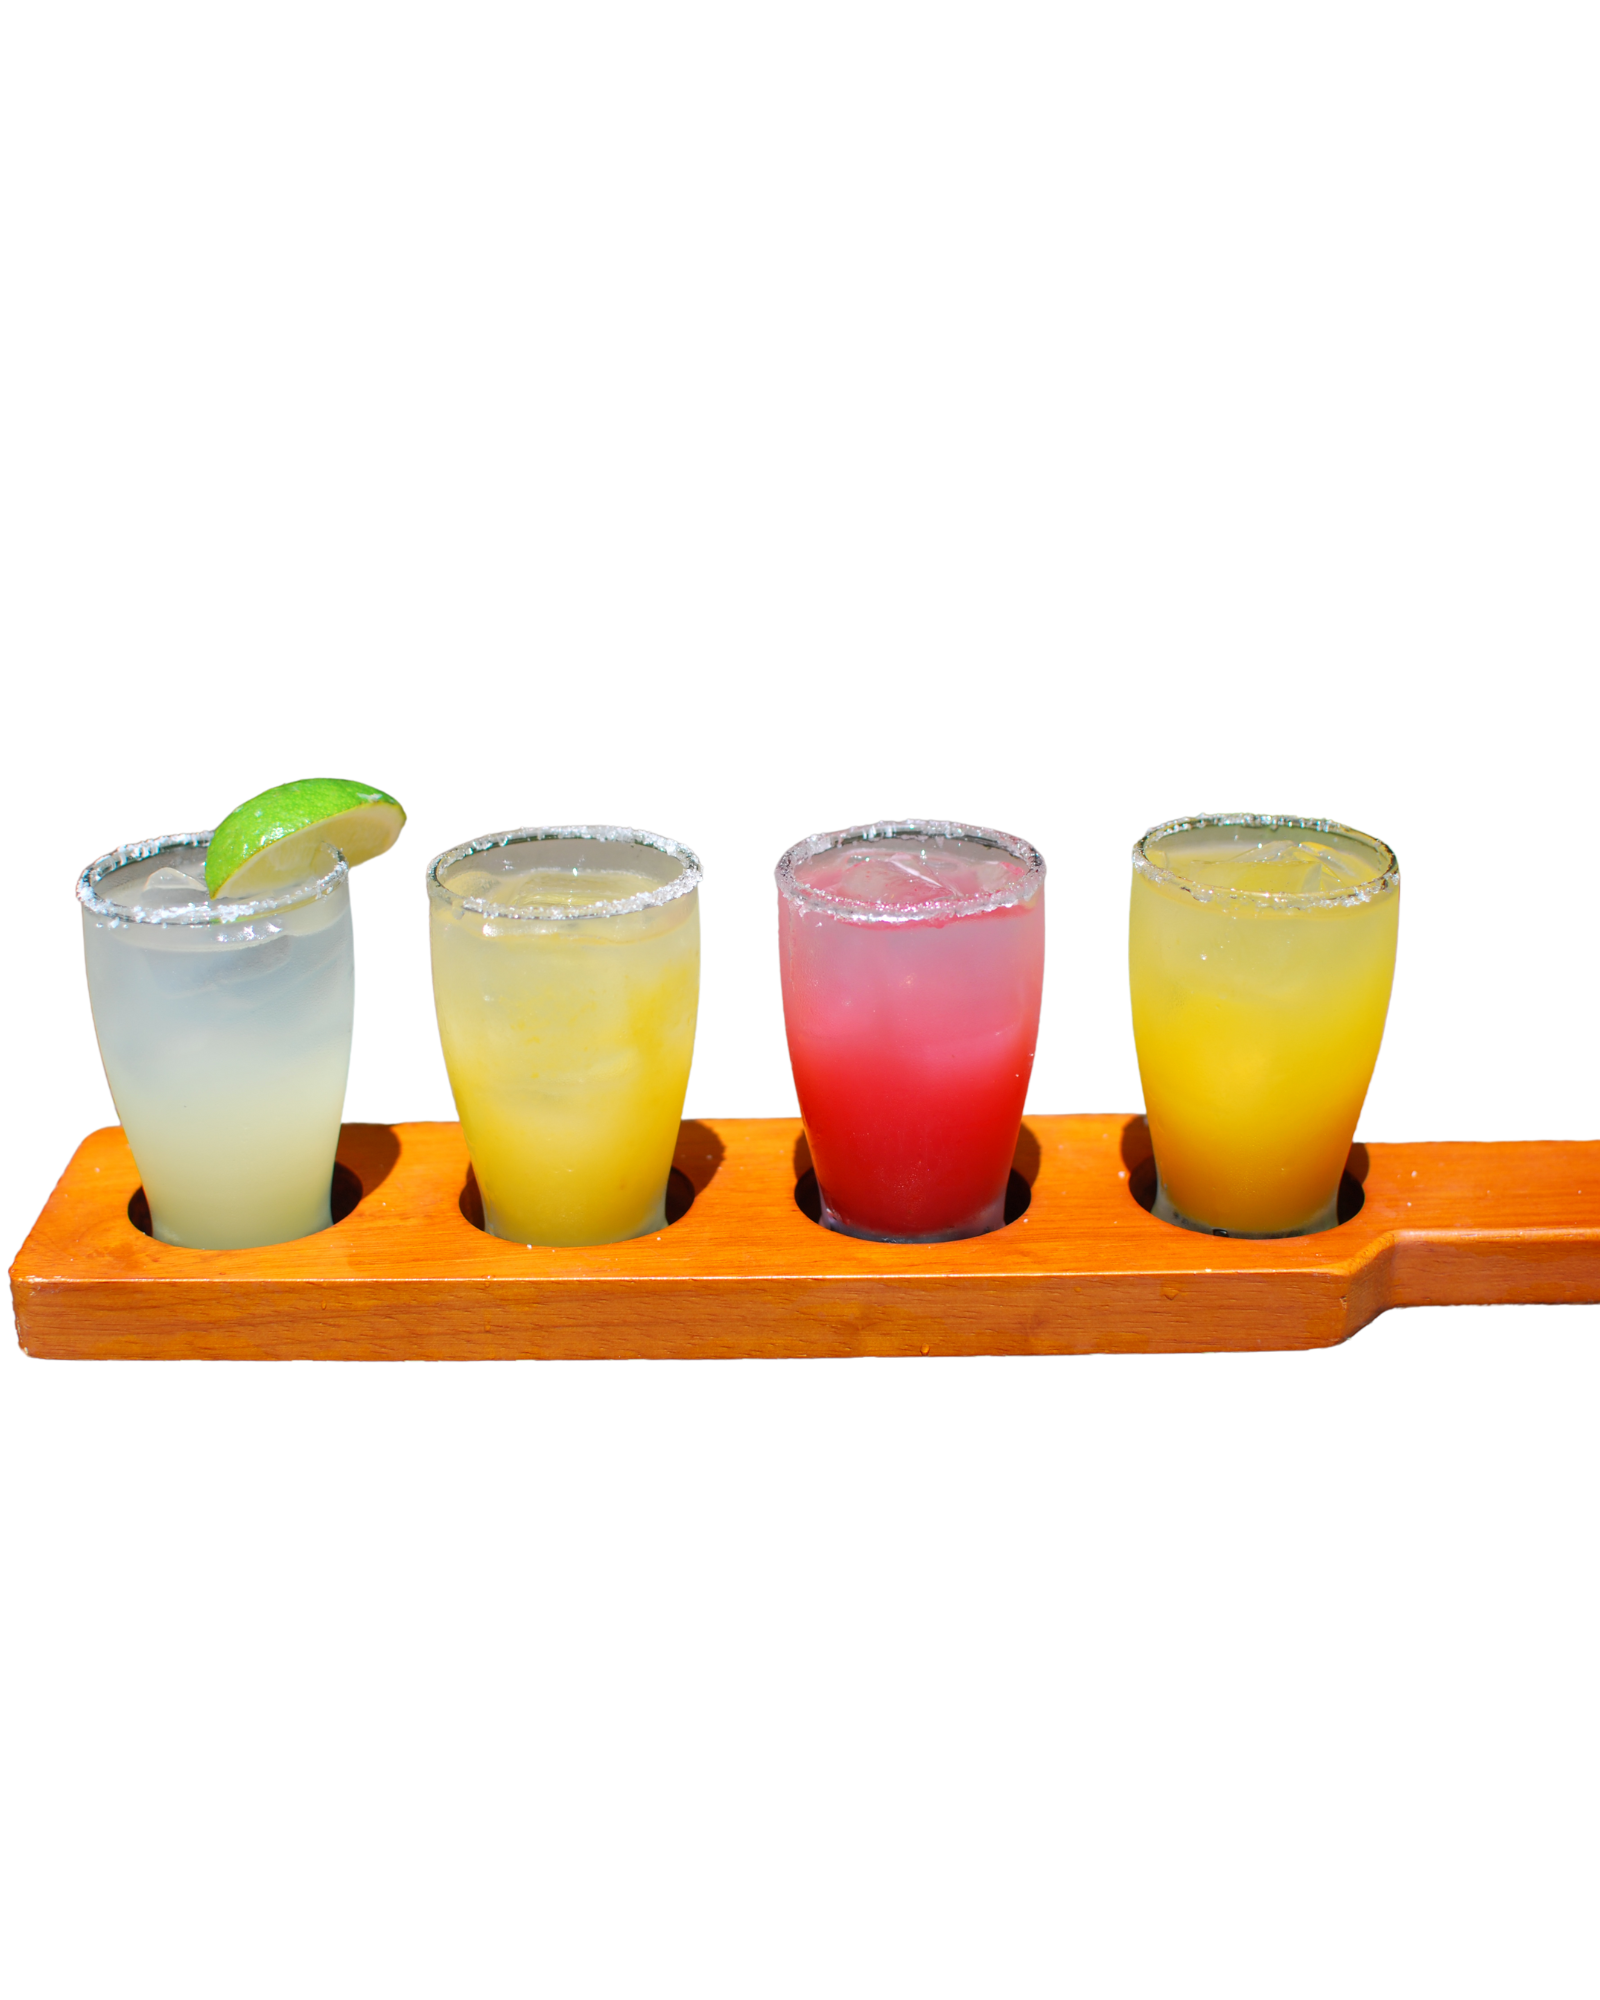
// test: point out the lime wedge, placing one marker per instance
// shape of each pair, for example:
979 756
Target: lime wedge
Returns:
270 842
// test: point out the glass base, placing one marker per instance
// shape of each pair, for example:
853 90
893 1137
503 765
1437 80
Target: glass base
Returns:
239 1235
494 1224
990 1218
1325 1218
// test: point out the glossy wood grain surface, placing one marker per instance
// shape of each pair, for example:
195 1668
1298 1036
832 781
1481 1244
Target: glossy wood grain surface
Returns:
406 1274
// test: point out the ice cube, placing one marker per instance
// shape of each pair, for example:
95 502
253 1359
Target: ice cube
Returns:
1339 871
168 888
905 875
487 885
1275 867
571 889
1270 854
248 959
1296 870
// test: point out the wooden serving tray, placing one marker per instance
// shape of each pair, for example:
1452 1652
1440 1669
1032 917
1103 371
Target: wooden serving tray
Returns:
406 1274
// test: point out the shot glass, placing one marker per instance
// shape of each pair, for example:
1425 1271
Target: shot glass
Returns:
566 977
1260 957
913 964
224 1028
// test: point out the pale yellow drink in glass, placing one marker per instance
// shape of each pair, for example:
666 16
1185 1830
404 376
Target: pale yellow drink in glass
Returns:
566 977
1260 957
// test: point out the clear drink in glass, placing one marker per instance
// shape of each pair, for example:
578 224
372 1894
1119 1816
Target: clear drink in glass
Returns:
224 1028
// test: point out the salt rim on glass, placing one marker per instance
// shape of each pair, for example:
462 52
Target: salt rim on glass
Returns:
689 877
1019 888
90 887
1386 879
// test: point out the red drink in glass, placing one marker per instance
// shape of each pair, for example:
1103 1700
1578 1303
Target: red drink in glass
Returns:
913 963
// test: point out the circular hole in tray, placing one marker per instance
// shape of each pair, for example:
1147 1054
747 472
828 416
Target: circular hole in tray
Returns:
809 1201
1142 1186
343 1194
1352 1198
680 1198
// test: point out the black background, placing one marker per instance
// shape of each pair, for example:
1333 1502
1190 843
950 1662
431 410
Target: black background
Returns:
737 559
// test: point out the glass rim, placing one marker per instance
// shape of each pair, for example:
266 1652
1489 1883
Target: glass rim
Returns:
239 911
689 878
1382 884
943 908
